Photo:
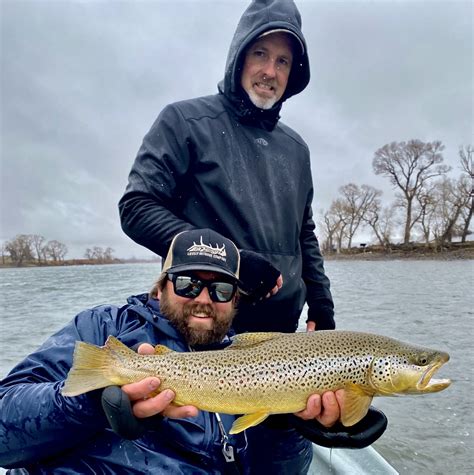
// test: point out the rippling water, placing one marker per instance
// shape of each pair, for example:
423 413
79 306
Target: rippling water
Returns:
425 302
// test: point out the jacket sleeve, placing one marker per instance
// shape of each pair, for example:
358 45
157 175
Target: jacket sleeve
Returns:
156 187
318 293
37 422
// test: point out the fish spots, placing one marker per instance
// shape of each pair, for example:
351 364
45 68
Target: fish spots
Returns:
280 371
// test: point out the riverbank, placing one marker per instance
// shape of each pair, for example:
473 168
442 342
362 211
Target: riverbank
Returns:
7 264
455 251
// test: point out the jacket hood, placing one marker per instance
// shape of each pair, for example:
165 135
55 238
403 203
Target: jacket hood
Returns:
259 17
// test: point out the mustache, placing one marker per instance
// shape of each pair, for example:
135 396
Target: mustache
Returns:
266 80
192 308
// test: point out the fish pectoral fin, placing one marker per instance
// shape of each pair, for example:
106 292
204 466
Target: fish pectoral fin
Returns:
249 420
247 340
355 405
162 350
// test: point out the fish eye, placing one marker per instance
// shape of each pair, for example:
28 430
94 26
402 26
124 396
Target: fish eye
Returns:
423 360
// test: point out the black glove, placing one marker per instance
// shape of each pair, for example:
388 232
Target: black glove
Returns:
118 410
257 275
358 436
323 315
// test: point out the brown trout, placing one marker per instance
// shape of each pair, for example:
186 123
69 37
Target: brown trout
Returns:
268 373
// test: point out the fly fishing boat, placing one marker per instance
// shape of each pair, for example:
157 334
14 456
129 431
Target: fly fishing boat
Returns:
366 461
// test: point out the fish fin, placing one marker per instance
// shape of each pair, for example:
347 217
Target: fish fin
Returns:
249 420
93 367
162 350
355 405
247 340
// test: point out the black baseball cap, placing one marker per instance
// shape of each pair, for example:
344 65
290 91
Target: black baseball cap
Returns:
202 250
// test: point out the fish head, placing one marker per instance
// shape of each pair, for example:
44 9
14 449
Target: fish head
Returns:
408 371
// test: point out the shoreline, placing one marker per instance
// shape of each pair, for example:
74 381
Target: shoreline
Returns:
415 252
77 262
452 255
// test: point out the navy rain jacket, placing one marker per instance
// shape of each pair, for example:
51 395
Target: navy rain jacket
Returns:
220 162
44 432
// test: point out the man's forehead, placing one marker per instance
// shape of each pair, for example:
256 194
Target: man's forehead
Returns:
278 40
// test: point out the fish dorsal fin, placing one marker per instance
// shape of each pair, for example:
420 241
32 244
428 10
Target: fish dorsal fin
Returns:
249 420
247 340
162 350
114 345
355 405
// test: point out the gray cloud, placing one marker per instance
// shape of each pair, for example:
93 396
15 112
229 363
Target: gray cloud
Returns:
83 81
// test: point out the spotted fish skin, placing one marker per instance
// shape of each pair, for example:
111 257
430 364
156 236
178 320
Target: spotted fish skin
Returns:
269 373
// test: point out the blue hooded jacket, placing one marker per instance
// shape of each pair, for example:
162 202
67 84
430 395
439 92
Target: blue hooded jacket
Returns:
43 432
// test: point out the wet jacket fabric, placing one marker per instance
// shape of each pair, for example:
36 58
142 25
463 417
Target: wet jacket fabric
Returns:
220 162
43 432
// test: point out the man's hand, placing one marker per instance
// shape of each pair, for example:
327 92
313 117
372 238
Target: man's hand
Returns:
319 422
278 286
145 401
259 278
326 409
136 407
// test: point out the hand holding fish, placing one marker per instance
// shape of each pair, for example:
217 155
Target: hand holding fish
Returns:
325 408
145 401
269 373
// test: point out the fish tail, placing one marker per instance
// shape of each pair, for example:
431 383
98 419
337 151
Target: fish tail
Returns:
93 367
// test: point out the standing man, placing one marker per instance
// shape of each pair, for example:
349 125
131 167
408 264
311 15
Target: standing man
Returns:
226 162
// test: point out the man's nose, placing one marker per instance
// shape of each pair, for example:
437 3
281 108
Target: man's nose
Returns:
269 68
203 297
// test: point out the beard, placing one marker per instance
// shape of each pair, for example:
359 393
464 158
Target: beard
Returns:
261 102
179 315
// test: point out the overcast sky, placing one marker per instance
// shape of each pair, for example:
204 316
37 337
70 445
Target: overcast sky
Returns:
83 81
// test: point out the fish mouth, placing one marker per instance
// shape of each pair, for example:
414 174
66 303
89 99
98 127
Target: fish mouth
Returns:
426 383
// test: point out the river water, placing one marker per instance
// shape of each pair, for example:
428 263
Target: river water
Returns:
424 302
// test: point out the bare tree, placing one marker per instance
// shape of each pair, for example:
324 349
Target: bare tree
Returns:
20 249
331 225
4 251
427 205
410 166
108 254
466 156
338 216
355 202
37 242
56 250
452 198
98 253
441 208
381 221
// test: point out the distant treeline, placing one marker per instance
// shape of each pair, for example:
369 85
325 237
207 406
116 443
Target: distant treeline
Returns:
34 250
429 207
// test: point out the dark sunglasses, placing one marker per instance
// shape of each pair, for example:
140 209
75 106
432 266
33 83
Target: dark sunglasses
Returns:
190 287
